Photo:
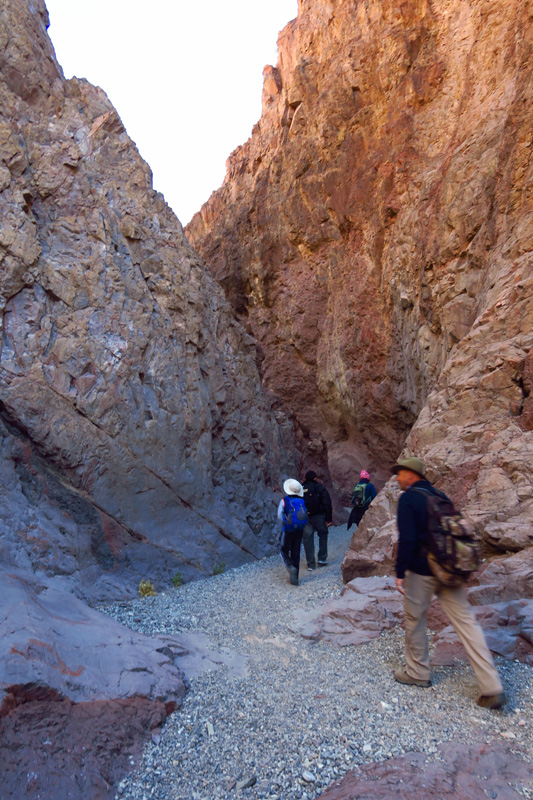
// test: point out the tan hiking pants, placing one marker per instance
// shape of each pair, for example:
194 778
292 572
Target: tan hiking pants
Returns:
419 591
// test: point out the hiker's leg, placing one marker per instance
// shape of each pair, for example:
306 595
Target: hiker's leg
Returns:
458 609
295 549
419 590
285 549
358 516
319 522
309 544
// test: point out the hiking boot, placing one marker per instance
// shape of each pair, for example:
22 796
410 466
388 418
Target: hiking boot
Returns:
492 700
293 572
403 677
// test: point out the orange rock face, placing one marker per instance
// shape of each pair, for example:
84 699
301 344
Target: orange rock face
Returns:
375 236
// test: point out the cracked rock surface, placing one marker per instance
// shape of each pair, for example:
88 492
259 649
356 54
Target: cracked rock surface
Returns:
375 234
130 398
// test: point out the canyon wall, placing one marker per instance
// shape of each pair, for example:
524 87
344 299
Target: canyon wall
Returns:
373 239
136 439
374 235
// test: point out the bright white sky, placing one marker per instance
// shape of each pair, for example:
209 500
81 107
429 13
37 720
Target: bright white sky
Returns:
184 75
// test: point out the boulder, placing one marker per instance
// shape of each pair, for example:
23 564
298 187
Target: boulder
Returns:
368 606
80 695
365 607
52 640
456 771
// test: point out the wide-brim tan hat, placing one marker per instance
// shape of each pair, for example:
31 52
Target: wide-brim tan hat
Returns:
414 464
292 486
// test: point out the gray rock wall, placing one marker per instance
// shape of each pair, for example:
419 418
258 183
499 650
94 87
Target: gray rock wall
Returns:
131 398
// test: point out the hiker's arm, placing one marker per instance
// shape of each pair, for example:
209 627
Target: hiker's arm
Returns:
372 493
406 535
326 505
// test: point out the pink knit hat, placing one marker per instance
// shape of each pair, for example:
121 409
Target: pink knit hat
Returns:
365 474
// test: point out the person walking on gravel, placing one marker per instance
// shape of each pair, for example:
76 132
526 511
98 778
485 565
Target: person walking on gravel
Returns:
293 516
362 495
416 582
318 504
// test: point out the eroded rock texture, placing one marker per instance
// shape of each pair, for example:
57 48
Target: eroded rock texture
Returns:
458 771
375 234
54 748
136 439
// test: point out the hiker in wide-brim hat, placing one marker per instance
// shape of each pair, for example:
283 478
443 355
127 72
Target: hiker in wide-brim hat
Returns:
412 464
292 486
416 581
292 515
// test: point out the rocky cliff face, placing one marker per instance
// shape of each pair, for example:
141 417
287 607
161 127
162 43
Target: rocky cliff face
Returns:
136 441
375 236
136 438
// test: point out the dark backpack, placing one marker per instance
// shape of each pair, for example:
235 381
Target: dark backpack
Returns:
453 552
359 495
294 514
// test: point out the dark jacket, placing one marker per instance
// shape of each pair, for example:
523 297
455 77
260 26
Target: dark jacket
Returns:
317 499
412 530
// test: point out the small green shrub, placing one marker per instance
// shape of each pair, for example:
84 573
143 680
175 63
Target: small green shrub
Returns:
219 569
146 589
177 580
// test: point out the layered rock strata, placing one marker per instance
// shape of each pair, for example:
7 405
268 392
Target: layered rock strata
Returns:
375 236
137 441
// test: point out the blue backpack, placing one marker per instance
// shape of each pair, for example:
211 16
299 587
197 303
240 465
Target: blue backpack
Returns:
294 514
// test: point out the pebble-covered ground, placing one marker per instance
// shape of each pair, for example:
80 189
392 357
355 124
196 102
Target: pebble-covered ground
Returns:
305 712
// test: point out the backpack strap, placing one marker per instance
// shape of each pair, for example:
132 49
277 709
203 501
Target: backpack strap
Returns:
432 491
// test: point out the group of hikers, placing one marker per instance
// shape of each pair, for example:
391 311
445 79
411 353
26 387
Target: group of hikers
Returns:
307 508
427 521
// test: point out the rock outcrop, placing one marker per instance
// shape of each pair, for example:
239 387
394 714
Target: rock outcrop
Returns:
80 694
375 236
456 771
136 439
368 606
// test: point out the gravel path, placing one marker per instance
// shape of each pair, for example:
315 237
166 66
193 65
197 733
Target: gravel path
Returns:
305 712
